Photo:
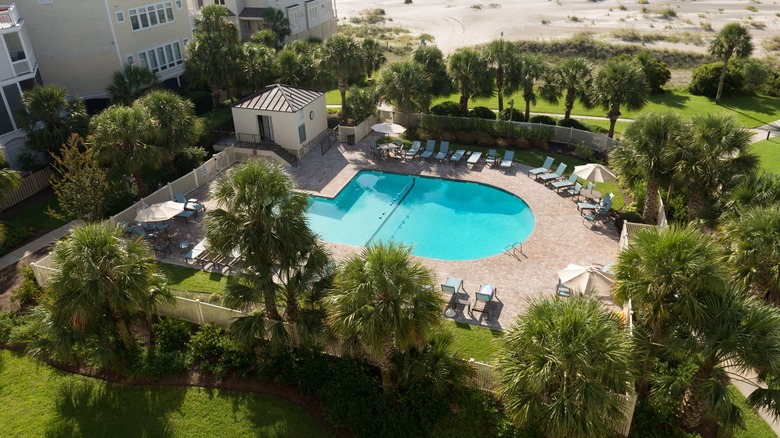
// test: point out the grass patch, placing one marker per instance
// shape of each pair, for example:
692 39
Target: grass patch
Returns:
768 152
755 426
34 214
41 401
183 279
475 342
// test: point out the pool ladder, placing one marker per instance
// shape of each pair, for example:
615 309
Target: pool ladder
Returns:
384 217
514 250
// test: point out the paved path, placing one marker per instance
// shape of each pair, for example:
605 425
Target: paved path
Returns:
748 385
36 245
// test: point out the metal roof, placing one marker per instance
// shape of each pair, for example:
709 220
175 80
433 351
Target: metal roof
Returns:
280 98
253 12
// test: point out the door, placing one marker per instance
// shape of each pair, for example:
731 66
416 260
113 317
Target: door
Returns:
266 128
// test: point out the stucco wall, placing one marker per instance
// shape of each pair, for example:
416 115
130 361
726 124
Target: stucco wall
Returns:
285 125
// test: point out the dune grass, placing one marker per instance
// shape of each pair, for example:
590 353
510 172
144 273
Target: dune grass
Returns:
768 152
41 401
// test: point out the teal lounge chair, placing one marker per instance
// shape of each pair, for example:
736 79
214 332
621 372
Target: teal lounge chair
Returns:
491 158
443 151
558 174
430 148
563 291
575 190
141 232
598 215
457 156
163 247
483 298
558 185
189 204
589 206
548 162
411 153
509 158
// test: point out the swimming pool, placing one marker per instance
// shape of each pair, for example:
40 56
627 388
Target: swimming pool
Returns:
442 219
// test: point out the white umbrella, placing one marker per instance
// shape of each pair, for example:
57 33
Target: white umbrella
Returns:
159 212
586 279
388 128
594 172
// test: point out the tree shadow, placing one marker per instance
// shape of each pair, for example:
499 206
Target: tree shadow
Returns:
95 408
670 99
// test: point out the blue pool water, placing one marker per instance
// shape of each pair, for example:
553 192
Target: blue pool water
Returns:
442 219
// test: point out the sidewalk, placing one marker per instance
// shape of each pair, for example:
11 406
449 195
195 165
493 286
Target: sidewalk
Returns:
36 245
747 386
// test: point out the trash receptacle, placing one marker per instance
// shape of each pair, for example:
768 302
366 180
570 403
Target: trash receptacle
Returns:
351 139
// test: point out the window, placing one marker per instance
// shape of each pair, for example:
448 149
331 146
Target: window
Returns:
219 2
302 133
150 15
178 4
161 58
120 17
45 2
313 12
130 60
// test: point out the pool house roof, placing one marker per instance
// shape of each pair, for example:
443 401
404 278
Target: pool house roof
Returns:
280 98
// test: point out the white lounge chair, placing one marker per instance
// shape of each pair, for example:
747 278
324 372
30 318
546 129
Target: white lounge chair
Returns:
509 159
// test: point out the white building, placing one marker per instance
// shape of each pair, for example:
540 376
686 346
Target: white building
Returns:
18 72
308 18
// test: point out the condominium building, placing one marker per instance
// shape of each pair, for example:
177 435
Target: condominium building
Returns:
81 43
308 18
18 72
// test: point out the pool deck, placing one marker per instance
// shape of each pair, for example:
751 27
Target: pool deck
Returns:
560 237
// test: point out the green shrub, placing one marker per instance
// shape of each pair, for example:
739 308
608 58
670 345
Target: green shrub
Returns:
15 234
189 158
219 119
265 37
171 334
155 363
573 123
704 81
28 292
545 120
584 152
447 109
482 112
517 116
656 72
361 103
234 358
205 346
8 320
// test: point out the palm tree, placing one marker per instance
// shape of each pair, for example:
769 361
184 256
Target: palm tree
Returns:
565 366
752 242
130 83
753 190
174 121
714 153
645 151
532 69
733 40
406 85
279 25
571 79
9 180
211 56
297 65
385 300
372 55
257 67
122 139
102 281
261 217
434 366
619 83
502 56
48 117
667 273
432 61
738 334
471 74
342 56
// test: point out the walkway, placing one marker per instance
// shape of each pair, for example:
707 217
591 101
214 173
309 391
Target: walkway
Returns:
36 245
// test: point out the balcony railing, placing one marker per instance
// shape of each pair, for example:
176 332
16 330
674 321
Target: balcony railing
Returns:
8 16
21 67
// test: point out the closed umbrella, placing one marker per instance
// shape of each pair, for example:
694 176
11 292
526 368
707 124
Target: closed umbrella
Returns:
586 279
388 128
594 172
159 212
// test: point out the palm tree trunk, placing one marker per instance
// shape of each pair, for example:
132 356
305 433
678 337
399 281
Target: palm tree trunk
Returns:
722 79
216 93
569 104
651 201
385 368
464 103
655 339
268 287
140 184
500 88
343 92
695 418
124 332
291 310
695 204
527 110
613 114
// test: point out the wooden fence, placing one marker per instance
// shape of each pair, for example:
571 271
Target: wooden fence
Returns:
29 186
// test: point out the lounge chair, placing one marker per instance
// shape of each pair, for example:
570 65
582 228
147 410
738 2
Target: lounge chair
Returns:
482 299
574 190
491 158
430 148
558 174
563 291
415 149
509 158
141 232
589 206
558 185
457 156
474 159
189 204
598 215
162 246
548 162
186 215
443 151
452 287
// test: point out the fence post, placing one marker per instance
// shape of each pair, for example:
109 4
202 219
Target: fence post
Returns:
195 174
200 311
170 190
571 134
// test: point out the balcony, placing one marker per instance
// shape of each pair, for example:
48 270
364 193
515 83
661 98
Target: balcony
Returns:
9 17
22 67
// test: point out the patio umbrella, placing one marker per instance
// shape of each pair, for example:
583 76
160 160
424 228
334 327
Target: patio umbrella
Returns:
159 212
594 172
586 279
388 128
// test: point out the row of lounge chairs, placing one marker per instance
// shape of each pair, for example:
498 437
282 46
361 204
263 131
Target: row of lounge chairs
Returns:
482 299
442 154
592 212
211 260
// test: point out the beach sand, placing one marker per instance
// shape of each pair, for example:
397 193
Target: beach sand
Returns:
459 23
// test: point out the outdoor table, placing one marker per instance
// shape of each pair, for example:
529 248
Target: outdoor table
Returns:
590 194
387 148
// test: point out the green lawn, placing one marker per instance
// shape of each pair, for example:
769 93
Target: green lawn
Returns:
768 152
475 342
755 426
34 214
181 278
41 401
